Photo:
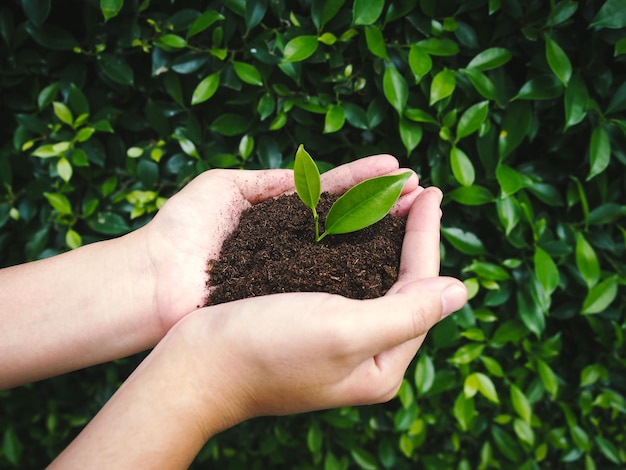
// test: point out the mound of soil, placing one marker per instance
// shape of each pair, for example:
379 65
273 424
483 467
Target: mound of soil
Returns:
273 250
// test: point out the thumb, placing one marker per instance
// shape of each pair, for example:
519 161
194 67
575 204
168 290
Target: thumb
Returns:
409 313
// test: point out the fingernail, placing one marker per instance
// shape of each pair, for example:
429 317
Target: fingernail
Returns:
453 298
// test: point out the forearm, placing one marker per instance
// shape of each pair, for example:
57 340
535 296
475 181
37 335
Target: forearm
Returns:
160 417
70 311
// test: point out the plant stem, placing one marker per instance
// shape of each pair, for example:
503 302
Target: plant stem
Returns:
316 218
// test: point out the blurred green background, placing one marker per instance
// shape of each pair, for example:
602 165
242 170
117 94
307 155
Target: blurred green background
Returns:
516 109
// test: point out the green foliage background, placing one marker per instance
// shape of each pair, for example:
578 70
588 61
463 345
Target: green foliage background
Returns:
516 109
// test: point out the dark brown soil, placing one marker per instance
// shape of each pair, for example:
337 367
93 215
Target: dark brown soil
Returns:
273 250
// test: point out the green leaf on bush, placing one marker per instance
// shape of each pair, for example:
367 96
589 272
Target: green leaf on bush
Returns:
170 41
376 42
410 134
439 47
424 376
206 88
443 85
548 377
63 113
64 169
203 22
59 202
230 124
108 223
481 383
558 60
419 62
521 404
472 119
599 152
464 411
116 69
465 242
248 73
395 88
474 195
600 296
576 99
509 179
546 270
366 12
300 48
334 119
490 59
110 8
462 167
611 15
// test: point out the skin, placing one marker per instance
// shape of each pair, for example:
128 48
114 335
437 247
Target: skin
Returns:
215 367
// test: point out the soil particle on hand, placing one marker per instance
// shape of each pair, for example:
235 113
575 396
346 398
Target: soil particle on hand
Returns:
273 250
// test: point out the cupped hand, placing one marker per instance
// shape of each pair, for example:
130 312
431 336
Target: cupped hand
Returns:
191 227
296 352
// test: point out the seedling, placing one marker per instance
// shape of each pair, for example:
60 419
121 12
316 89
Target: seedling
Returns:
361 206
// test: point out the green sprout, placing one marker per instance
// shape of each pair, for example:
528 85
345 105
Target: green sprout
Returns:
361 206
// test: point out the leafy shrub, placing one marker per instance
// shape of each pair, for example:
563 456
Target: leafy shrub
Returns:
515 108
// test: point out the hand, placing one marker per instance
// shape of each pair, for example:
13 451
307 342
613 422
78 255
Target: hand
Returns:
297 352
273 355
191 227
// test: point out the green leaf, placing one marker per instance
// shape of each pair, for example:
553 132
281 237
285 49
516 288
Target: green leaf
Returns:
481 383
11 446
521 404
483 85
600 296
542 87
365 204
510 180
206 88
524 432
618 100
411 134
599 151
462 167
546 270
203 22
366 12
314 438
110 8
472 119
608 450
322 11
548 377
395 89
73 239
611 15
508 212
230 124
439 47
170 42
443 85
464 411
467 353
419 62
576 99
59 202
558 60
364 459
62 112
255 11
306 178
334 119
47 95
530 310
64 169
474 195
465 242
248 73
376 42
424 374
491 58
300 48
116 69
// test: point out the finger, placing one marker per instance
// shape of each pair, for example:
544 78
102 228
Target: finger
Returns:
340 179
387 322
420 247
